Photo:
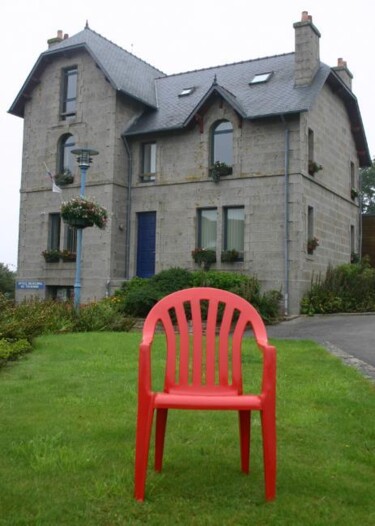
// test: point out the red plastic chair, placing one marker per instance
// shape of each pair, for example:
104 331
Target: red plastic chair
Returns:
198 377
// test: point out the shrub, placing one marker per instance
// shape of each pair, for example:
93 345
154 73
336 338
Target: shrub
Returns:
12 350
139 295
346 288
101 316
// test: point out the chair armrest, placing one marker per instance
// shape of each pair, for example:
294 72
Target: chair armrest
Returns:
269 367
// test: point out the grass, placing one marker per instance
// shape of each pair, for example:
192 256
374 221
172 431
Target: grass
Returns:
67 414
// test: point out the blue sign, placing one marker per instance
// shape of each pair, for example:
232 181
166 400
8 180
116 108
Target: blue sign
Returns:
34 285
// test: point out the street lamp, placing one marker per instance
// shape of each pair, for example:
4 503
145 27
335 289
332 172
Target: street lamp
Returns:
84 159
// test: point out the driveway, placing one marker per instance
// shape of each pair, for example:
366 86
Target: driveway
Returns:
349 336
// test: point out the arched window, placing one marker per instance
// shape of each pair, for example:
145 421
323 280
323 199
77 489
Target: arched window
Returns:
66 159
222 143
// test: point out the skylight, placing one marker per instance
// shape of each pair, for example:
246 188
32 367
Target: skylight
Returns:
260 77
186 91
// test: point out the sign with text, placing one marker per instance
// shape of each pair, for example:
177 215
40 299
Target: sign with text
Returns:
33 285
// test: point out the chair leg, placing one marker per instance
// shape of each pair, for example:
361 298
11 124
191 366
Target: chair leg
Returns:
269 452
244 419
161 424
142 446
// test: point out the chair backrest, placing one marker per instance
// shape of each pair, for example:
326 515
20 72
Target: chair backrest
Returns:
204 328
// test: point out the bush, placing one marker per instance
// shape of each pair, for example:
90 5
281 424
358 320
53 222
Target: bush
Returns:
101 316
346 288
137 296
12 350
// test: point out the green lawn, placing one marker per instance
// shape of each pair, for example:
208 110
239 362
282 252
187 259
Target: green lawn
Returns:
67 416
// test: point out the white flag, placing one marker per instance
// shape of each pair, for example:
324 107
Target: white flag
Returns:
55 188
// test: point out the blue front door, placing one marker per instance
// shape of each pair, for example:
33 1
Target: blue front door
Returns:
146 244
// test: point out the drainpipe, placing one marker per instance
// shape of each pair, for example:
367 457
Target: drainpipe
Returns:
286 216
128 209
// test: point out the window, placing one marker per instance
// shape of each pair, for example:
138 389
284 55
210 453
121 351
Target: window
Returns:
234 221
207 228
149 159
260 77
312 241
66 159
69 93
352 241
313 167
54 231
222 143
70 243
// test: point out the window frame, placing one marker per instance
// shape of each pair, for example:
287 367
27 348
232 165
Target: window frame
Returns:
226 247
200 212
148 160
64 147
215 133
54 231
69 82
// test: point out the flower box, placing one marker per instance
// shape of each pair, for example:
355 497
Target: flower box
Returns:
52 255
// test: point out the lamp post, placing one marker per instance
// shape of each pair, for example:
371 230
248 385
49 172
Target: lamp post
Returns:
84 159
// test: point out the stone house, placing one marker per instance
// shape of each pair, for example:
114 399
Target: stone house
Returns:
285 130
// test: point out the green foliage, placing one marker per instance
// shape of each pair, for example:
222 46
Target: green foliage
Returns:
11 350
7 281
346 288
139 295
29 319
101 316
204 257
367 177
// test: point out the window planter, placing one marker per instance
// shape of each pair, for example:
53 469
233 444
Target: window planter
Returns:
314 167
230 256
312 244
64 178
354 193
52 255
68 256
219 170
204 257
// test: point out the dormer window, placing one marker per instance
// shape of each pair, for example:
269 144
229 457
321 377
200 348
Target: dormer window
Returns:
260 77
186 91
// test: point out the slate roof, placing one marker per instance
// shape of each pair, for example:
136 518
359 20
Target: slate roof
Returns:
274 97
126 72
165 110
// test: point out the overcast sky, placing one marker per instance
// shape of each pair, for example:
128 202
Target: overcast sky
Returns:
172 36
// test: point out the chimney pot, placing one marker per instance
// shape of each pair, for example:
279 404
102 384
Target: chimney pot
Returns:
59 34
66 36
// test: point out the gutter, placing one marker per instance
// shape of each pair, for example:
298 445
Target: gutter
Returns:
128 208
286 216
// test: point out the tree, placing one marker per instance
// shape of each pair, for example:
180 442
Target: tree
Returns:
367 176
7 280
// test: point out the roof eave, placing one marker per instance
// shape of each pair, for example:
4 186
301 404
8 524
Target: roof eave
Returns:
357 128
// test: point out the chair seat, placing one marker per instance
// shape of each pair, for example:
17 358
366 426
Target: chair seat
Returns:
197 400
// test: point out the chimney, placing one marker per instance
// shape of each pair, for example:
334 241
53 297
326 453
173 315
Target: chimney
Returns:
56 40
307 57
343 72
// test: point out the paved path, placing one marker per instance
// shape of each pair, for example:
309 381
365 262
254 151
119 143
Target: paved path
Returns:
349 336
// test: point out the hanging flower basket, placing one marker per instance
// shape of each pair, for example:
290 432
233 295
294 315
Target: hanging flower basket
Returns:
81 212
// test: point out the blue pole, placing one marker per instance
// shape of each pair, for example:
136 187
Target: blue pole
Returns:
77 282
